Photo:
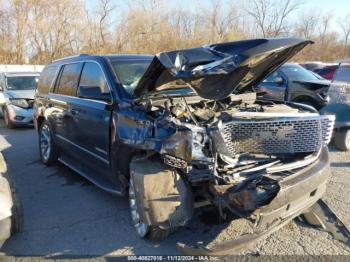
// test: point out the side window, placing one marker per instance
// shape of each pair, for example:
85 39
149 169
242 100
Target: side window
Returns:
67 84
93 77
46 79
272 78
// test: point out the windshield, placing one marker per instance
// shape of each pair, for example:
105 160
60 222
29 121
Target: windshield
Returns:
296 72
21 82
129 72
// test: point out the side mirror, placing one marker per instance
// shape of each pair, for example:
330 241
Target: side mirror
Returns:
93 92
278 80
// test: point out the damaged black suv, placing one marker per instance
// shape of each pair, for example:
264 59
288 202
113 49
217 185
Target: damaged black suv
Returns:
184 129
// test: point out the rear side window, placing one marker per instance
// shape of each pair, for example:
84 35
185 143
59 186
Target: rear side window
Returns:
67 84
92 76
46 79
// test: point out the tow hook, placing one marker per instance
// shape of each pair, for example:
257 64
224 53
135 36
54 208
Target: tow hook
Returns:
319 215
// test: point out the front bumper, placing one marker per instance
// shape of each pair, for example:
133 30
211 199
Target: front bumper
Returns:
298 192
20 116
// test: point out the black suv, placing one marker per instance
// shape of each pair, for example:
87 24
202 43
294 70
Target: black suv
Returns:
184 129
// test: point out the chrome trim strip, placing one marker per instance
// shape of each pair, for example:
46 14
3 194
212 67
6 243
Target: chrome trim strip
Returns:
100 150
82 148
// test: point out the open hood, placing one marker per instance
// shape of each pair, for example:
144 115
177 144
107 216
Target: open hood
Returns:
215 71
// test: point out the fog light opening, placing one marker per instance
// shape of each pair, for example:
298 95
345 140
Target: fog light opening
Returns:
19 118
313 193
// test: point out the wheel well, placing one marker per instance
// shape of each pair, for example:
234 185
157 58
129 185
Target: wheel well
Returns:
39 121
307 99
304 99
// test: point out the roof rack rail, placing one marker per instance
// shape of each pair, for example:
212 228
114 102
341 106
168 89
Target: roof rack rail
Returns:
67 57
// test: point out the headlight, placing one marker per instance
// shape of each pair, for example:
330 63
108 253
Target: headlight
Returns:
19 102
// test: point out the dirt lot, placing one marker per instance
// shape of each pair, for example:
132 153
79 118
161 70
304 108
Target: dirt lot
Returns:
66 215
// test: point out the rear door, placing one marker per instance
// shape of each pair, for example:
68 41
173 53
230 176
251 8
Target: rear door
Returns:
91 117
59 106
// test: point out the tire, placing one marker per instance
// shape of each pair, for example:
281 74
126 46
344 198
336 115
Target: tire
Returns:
47 148
7 120
154 233
17 214
342 139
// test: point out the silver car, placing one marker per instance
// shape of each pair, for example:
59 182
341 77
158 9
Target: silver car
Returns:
17 91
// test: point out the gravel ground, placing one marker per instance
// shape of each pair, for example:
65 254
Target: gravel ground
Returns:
66 215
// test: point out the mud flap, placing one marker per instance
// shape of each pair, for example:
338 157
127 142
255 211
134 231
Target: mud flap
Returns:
163 198
320 215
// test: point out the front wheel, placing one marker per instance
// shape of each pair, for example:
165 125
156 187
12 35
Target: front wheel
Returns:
143 230
342 139
47 147
7 119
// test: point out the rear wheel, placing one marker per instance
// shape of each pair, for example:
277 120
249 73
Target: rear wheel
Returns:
342 139
143 230
7 119
47 147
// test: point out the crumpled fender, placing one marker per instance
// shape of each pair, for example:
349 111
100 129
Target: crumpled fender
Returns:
134 128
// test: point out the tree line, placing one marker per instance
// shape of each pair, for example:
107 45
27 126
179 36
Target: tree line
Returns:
39 31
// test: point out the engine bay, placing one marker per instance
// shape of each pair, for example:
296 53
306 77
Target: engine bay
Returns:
240 145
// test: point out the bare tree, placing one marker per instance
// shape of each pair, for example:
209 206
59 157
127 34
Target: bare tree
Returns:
307 24
271 16
46 29
344 24
106 7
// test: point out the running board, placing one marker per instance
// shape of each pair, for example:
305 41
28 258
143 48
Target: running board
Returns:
101 182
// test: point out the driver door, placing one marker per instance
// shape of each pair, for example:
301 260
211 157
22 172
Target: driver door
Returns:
92 117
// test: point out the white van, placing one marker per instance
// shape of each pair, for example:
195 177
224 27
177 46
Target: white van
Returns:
17 89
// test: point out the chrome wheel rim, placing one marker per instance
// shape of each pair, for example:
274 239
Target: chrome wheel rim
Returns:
45 142
141 228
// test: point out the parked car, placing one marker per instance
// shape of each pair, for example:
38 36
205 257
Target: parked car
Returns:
292 82
184 129
339 105
17 88
327 71
315 65
11 216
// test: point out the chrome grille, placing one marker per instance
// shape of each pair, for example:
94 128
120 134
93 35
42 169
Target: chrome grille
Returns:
277 136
